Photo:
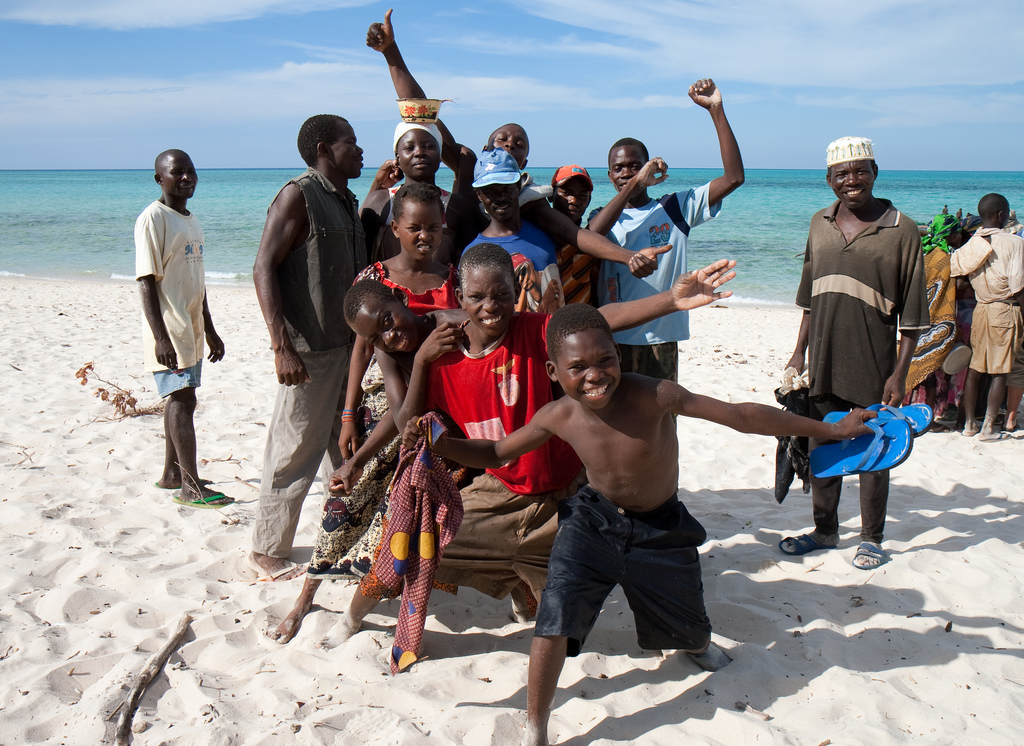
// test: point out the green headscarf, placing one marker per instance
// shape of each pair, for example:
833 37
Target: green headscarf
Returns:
938 232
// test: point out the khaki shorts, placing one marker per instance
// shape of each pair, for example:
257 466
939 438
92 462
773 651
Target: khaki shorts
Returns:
504 540
996 334
1016 377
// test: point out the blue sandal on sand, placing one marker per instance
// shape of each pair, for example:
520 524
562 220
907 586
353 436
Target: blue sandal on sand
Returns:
802 545
889 446
868 550
918 416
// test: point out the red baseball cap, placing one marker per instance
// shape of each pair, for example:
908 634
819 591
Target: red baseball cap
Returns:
565 173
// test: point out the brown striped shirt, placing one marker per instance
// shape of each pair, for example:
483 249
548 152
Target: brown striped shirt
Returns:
859 293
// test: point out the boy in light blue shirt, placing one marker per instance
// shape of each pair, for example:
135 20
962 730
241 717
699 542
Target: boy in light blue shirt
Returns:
646 223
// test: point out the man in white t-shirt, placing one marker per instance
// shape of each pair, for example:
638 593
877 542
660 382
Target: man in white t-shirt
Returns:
172 281
647 223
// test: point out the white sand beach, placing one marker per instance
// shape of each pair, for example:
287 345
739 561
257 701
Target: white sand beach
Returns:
98 566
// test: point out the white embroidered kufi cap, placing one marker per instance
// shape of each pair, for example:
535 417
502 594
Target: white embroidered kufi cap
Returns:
849 149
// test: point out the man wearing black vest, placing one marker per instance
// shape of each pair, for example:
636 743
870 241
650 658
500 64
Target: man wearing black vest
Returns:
312 247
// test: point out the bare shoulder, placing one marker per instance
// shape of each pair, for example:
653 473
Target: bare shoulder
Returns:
287 225
557 416
451 315
289 202
376 201
666 395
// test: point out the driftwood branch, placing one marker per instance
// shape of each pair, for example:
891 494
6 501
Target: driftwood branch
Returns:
150 672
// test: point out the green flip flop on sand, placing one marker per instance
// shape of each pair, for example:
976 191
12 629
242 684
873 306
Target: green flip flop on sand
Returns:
216 500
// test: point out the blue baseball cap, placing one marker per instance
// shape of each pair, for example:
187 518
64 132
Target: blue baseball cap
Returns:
495 167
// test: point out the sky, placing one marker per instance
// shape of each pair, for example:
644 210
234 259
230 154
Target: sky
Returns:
92 84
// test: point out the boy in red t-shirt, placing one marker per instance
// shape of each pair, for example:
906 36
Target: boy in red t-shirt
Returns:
490 378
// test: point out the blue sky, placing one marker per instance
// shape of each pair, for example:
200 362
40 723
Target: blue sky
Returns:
109 83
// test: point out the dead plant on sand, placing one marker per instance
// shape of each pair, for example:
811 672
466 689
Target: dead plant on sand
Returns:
121 399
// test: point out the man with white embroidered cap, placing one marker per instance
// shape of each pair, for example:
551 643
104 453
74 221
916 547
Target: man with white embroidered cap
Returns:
862 281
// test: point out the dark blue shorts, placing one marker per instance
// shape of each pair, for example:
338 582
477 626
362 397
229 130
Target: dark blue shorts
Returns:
652 555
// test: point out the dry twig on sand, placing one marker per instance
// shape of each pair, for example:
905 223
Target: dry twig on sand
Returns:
121 399
153 667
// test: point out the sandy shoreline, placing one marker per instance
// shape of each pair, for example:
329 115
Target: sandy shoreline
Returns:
100 565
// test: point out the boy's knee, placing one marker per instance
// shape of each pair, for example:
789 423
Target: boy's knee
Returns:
185 396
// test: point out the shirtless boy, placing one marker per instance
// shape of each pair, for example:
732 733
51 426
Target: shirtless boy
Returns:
491 380
627 526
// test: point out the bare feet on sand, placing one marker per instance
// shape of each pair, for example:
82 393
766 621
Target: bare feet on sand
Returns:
269 568
534 736
341 632
286 630
171 480
352 622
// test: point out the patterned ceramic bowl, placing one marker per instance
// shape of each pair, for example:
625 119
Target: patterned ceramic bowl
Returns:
419 110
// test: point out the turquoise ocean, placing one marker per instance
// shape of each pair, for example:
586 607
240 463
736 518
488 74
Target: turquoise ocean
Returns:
79 224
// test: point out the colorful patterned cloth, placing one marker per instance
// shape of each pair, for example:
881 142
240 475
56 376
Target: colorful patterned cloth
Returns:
351 526
936 342
425 514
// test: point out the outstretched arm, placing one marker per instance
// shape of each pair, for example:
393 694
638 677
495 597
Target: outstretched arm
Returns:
707 95
490 454
689 291
759 419
563 231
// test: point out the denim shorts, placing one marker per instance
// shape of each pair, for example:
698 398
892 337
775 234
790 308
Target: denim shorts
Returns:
652 555
169 381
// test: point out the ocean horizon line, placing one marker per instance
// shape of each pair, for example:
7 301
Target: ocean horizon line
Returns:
535 167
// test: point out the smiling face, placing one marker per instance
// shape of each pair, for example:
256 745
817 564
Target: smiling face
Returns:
624 163
513 140
587 367
488 297
852 182
501 201
387 324
418 229
418 155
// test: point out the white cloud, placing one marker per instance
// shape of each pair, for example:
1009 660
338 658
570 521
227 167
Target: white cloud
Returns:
126 103
871 44
927 108
134 14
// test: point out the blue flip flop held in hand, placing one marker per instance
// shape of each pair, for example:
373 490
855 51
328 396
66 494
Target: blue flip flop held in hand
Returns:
918 416
889 445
